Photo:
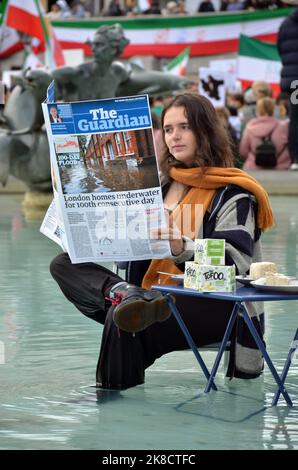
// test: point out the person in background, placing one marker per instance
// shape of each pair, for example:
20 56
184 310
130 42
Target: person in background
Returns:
259 89
55 12
64 7
263 125
78 10
170 8
236 102
115 9
253 5
235 105
154 8
181 8
287 45
206 6
224 116
231 5
282 106
157 105
197 165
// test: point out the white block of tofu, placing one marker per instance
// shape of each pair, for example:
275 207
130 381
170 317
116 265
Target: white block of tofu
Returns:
258 270
276 279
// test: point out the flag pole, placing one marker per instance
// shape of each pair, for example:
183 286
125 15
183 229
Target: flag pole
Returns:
48 54
3 8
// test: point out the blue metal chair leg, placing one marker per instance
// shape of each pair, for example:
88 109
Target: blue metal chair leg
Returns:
286 367
189 339
222 346
262 348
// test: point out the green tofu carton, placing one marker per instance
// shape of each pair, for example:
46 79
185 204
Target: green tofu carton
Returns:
210 251
216 278
209 278
191 275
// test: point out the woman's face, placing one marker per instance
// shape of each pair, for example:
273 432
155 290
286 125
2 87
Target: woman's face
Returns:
179 138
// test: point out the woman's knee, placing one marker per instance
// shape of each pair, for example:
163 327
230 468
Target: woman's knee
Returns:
59 264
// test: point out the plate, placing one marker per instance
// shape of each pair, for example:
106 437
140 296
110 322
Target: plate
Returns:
245 280
178 277
260 285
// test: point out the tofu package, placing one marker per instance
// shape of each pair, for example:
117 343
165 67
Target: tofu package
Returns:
210 251
209 278
191 275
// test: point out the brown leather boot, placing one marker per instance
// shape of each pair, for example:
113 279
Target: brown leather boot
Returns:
137 308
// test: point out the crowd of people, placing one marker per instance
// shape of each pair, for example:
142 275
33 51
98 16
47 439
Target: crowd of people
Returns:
207 6
251 117
67 9
259 117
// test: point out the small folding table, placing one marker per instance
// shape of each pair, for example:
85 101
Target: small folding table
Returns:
240 296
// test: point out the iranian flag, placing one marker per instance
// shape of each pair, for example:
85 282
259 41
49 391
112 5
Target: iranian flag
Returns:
27 16
9 39
167 36
258 60
179 64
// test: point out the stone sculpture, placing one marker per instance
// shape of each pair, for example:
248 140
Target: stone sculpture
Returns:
23 141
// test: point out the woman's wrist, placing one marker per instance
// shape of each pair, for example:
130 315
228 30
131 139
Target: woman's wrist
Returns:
186 253
177 248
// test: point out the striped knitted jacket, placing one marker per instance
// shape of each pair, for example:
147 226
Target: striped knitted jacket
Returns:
233 217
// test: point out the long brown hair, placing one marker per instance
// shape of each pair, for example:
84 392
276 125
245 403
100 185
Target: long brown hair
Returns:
213 141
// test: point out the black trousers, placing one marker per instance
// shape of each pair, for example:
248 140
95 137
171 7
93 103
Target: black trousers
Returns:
123 356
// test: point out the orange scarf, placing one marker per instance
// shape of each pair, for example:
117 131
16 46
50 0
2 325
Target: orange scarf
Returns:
203 184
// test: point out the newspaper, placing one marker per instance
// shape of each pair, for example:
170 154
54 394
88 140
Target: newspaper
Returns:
107 193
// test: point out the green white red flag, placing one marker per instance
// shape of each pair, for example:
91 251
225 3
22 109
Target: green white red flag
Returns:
27 16
258 60
179 64
9 39
166 36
